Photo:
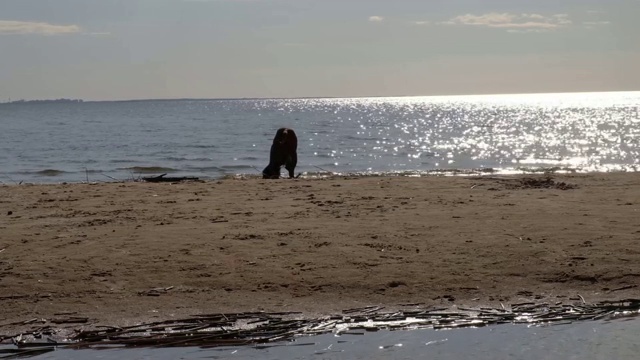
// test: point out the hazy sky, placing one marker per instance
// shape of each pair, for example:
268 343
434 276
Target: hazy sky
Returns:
133 49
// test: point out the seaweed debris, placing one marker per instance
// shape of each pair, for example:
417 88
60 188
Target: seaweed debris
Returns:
253 328
546 182
163 178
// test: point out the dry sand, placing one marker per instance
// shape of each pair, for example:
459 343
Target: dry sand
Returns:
313 245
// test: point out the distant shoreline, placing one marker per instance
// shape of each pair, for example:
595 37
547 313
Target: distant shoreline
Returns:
46 101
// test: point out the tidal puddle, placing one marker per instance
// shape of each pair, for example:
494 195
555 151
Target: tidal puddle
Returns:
603 339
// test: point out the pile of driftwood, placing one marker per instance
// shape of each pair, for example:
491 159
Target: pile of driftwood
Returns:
236 329
164 178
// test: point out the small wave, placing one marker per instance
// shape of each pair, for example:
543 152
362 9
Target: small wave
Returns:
399 173
327 173
149 169
203 168
240 176
212 146
49 172
92 171
235 167
441 172
181 158
121 161
83 162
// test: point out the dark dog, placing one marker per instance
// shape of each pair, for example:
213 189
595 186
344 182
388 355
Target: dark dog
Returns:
284 151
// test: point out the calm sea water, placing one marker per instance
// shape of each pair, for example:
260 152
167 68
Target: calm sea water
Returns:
55 142
597 340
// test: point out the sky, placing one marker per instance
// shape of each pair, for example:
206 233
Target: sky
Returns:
152 49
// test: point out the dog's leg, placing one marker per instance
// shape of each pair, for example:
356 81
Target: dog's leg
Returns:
291 163
271 172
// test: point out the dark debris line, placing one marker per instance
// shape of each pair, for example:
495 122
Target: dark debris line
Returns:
237 329
546 182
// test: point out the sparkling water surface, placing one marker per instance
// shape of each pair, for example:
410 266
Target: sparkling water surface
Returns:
54 142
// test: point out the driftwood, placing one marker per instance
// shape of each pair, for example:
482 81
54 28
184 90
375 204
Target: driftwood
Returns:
155 291
163 178
238 329
70 320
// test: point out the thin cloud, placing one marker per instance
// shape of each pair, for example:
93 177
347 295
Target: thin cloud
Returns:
595 20
596 23
513 22
534 16
38 28
421 23
376 18
515 31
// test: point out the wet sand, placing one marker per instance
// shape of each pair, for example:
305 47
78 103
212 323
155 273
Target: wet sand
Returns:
313 245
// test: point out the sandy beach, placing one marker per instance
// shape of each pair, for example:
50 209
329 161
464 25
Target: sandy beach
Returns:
120 253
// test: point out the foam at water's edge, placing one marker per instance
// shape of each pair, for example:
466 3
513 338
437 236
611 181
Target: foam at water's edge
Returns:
444 172
217 173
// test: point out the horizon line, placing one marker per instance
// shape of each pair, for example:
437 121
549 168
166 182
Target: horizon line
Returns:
310 97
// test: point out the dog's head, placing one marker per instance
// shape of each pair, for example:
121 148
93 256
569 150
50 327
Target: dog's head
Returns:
282 136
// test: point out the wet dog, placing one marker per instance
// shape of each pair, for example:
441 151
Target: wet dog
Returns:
284 151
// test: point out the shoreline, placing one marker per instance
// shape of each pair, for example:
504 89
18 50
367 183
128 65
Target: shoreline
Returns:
142 172
126 252
252 329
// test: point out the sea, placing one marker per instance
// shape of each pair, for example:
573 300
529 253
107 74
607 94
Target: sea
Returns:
59 141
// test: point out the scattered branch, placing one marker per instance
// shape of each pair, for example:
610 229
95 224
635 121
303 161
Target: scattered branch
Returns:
112 178
318 167
162 178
